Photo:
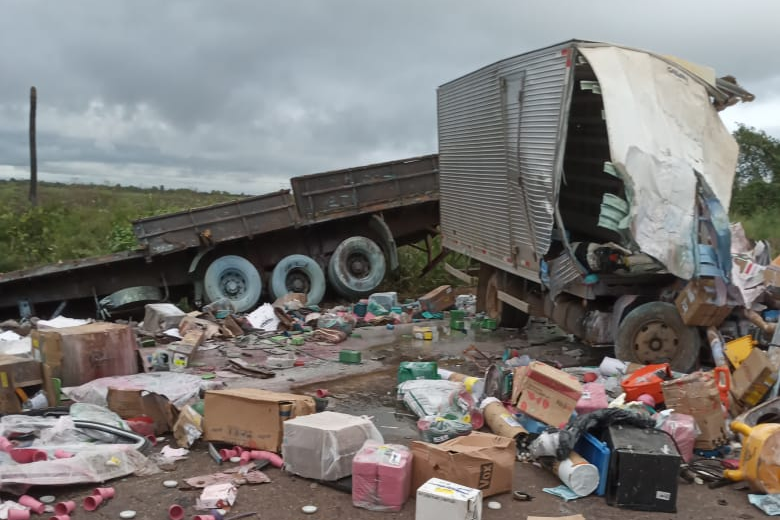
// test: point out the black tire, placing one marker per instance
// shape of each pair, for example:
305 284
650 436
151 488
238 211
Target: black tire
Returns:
235 278
490 282
655 333
356 268
300 274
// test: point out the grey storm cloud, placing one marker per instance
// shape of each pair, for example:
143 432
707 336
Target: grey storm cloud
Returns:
242 95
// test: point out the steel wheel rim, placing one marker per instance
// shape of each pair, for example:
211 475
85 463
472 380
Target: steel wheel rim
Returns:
656 340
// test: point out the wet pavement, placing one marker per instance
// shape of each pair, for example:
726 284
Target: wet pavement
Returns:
370 390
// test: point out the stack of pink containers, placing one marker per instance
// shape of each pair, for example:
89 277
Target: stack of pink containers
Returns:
381 476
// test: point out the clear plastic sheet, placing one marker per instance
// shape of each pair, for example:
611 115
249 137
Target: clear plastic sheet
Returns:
180 389
322 445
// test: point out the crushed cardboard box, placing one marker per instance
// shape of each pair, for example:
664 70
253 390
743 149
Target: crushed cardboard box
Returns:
480 460
697 395
138 403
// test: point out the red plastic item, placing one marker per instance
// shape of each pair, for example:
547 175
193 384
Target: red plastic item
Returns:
723 380
176 512
647 380
27 455
18 514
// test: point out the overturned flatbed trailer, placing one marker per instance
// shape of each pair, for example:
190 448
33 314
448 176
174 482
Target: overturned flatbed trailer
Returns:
339 228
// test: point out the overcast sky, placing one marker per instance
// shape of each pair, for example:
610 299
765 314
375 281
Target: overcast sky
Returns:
242 95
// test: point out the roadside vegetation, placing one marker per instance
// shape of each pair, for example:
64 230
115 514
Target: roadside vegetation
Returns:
76 221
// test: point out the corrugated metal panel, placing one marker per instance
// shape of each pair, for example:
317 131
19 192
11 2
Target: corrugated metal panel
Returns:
563 271
496 126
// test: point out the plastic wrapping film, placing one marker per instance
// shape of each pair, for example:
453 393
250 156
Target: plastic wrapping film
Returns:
322 445
381 476
180 389
683 430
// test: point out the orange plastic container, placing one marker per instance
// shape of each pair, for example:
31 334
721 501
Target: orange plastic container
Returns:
647 380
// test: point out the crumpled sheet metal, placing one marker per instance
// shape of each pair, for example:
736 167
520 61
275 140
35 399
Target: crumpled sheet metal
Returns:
681 134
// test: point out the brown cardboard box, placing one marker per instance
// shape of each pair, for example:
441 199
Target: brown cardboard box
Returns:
753 379
183 352
250 417
546 393
479 460
701 303
17 372
136 403
81 354
439 299
697 395
772 275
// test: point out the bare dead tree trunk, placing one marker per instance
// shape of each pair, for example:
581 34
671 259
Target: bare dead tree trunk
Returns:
33 152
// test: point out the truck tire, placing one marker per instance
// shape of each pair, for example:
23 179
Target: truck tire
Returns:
487 300
356 268
298 274
655 333
235 278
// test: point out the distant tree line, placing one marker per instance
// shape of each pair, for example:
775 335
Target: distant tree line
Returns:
757 182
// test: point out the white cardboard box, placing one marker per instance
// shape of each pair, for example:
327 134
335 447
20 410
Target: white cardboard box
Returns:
438 499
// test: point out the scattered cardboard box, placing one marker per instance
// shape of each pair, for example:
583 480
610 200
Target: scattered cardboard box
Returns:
440 499
137 403
753 379
545 393
772 275
438 300
217 496
183 352
78 355
697 395
250 417
161 316
479 460
704 302
190 322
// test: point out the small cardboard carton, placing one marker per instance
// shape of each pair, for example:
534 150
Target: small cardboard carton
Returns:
697 395
19 372
439 299
184 351
439 499
704 302
137 403
753 379
250 417
546 393
479 460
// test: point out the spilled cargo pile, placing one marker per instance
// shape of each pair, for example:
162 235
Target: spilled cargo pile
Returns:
92 402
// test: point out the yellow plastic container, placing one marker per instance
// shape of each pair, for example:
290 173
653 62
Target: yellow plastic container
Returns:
758 464
739 349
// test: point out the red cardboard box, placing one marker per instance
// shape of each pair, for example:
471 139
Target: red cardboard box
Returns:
546 393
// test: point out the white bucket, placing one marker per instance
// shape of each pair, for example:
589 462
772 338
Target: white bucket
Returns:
581 476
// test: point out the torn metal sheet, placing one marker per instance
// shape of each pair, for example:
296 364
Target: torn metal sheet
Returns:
658 160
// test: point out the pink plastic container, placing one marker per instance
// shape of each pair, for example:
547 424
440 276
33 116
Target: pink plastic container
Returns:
65 508
593 398
92 502
105 492
18 514
34 505
176 512
381 476
27 455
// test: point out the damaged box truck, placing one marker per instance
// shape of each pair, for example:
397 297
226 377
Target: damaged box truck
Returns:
592 183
